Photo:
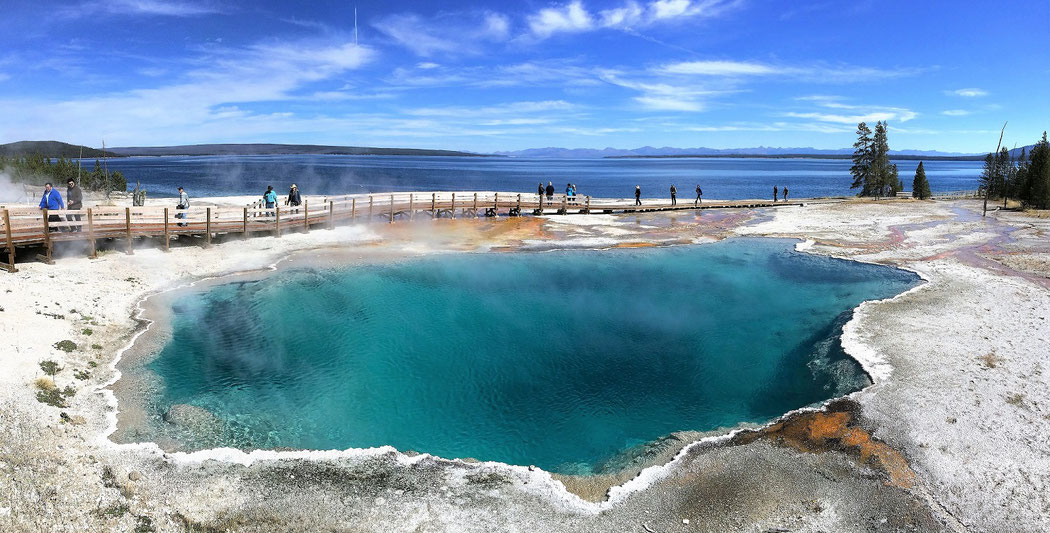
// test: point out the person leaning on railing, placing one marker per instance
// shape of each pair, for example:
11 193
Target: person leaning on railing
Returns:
52 201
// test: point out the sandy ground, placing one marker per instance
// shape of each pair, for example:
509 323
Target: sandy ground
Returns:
954 435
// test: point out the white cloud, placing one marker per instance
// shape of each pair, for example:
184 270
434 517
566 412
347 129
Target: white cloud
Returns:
669 103
955 112
575 18
816 73
902 115
448 34
488 111
719 68
171 8
209 98
971 92
427 65
4 77
569 18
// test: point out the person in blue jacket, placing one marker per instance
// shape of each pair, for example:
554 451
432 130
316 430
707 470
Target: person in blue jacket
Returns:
52 201
270 198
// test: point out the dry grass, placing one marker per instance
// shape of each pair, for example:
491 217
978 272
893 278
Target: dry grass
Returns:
45 384
990 360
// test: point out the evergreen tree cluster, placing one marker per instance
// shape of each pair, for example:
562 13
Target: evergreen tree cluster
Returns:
36 168
1026 178
872 171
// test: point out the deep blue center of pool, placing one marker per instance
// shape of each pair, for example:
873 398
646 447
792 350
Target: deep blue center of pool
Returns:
561 359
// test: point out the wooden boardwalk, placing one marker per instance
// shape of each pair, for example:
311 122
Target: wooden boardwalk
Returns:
24 227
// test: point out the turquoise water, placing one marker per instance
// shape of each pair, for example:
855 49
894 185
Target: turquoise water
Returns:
559 359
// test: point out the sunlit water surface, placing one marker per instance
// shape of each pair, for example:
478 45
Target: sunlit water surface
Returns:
564 360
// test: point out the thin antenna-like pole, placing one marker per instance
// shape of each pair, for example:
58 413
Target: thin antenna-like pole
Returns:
355 25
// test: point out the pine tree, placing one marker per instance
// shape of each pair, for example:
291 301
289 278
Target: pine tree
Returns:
1038 175
882 174
861 169
920 187
988 180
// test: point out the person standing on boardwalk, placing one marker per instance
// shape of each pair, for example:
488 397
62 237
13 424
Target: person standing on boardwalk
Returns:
270 198
774 194
569 198
52 201
294 199
573 185
550 192
184 204
785 194
637 195
699 193
75 196
674 192
539 190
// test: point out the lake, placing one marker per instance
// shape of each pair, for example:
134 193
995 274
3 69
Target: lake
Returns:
720 178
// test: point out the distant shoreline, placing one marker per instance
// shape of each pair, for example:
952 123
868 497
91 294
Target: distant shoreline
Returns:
798 156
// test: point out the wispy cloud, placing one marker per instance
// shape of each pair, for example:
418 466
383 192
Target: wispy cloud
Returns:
487 111
660 96
956 112
210 95
170 8
860 113
816 73
970 92
448 34
719 68
574 17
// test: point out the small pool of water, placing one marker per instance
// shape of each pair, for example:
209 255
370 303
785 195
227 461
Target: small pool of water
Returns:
561 359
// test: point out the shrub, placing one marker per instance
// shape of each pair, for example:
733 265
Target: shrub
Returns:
66 345
50 367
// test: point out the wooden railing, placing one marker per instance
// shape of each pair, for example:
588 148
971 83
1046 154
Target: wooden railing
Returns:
22 225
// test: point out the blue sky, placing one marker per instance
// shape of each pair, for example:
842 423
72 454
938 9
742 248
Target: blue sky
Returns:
487 76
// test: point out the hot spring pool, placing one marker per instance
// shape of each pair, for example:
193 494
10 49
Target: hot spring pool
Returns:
560 359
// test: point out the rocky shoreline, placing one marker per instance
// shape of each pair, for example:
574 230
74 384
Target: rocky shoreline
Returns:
951 436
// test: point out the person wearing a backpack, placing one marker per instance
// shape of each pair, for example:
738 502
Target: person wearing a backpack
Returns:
184 204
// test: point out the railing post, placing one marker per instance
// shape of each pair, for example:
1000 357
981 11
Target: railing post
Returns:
306 214
353 210
331 214
411 206
475 205
433 205
519 204
277 221
91 233
453 210
47 238
588 204
127 225
565 204
495 205
391 208
167 236
244 223
207 226
370 202
10 243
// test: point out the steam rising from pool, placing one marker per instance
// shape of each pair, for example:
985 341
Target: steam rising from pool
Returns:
564 360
